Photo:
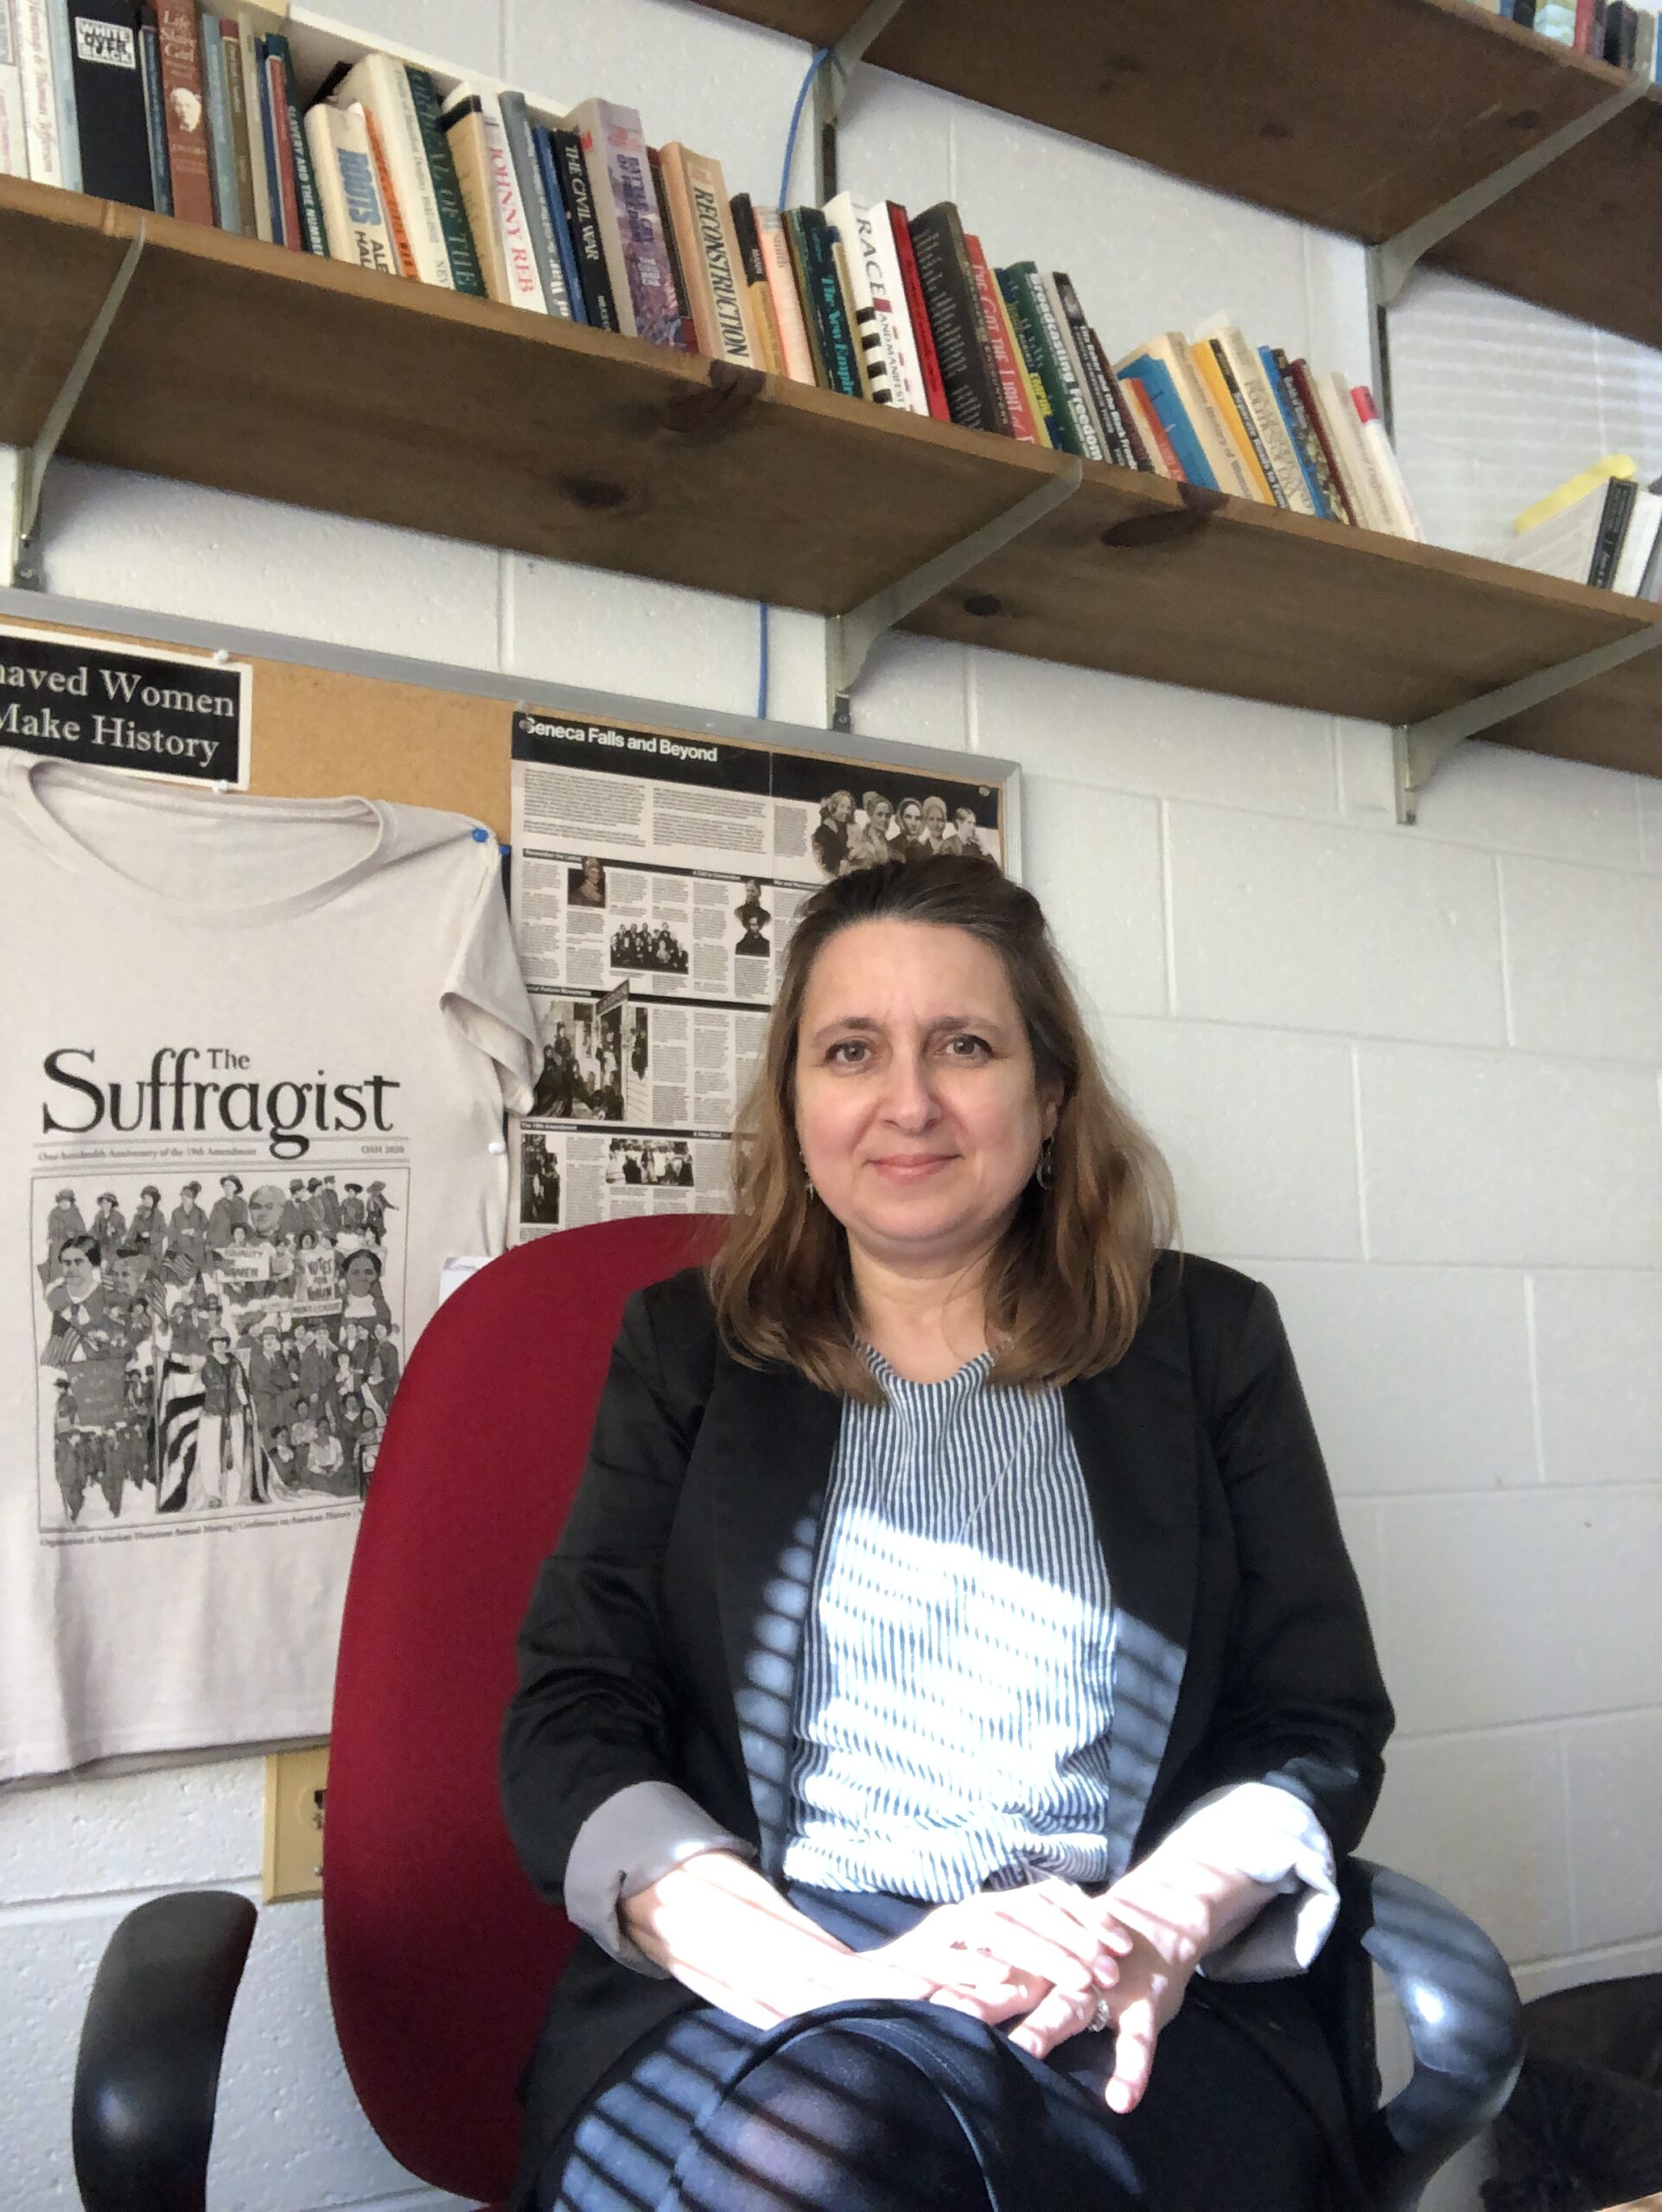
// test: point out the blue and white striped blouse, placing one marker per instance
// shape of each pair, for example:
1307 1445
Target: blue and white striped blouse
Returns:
956 1673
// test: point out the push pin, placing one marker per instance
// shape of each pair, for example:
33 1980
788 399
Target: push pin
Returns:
221 656
496 1145
480 836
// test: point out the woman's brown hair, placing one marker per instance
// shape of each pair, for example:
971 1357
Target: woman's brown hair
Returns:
1069 1281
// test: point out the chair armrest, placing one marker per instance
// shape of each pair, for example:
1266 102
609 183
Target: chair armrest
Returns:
150 2046
1464 2024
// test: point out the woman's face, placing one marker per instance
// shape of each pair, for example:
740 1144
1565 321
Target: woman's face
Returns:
934 816
911 817
361 1274
591 872
916 1105
881 813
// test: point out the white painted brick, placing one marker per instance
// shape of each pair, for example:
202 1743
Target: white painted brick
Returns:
1306 925
1418 1377
895 142
1584 958
1599 1376
1650 820
1156 738
1221 1104
1532 1606
173 549
1093 859
914 692
722 86
1616 1827
1494 796
1490 1158
184 1824
465 38
1481 1820
46 1967
607 632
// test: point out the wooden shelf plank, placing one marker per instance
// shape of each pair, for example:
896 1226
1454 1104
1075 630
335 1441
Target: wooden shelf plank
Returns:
235 364
1361 117
1264 604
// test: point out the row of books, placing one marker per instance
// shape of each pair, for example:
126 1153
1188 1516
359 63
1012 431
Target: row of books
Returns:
1602 527
1610 30
577 216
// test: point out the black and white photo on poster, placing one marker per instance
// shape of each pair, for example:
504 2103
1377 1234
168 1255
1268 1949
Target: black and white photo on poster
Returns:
838 816
652 1162
214 1339
108 704
539 1178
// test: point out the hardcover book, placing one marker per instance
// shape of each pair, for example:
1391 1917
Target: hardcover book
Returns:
548 171
404 249
1124 445
63 91
221 156
775 250
1245 373
279 151
183 96
753 270
254 101
1171 350
109 110
593 270
14 140
354 220
685 337
466 275
1302 381
1033 310
716 291
534 201
383 88
483 170
879 302
830 327
32 26
1006 356
1154 379
155 112
923 338
241 145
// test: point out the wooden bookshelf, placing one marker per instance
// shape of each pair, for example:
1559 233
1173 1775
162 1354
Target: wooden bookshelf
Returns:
1359 115
237 366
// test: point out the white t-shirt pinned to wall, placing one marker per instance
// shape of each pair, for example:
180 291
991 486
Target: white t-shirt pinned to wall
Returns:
257 1055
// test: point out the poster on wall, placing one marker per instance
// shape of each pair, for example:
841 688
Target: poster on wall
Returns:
108 704
657 877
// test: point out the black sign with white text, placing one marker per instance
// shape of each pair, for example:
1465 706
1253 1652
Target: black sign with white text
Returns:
111 705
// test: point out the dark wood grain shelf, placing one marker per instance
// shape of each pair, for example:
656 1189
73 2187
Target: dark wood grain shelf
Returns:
1359 115
236 366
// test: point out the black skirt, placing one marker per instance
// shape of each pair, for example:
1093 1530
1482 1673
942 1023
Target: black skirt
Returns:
853 2107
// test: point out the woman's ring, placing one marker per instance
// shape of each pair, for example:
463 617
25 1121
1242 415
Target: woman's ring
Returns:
1101 2017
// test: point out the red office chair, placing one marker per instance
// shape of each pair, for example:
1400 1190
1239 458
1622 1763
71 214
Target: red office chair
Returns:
441 1956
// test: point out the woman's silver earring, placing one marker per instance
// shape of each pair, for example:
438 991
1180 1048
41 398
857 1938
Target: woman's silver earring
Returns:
807 1179
1045 1173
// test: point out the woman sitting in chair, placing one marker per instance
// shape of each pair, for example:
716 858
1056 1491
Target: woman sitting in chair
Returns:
950 1691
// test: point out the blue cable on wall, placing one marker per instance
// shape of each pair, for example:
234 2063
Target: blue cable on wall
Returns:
821 55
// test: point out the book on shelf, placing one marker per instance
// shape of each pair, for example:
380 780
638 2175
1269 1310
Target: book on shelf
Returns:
242 160
112 119
1156 440
1120 432
923 339
1388 474
487 188
31 26
774 246
952 303
594 272
755 271
892 374
1008 361
685 337
718 288
63 91
626 214
354 217
381 86
155 112
559 218
14 140
831 339
543 225
184 100
1602 527
1254 400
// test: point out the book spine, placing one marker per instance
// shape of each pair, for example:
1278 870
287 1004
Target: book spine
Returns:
838 347
1159 388
254 108
626 209
300 160
1313 454
283 149
887 287
155 113
181 90
1258 399
593 270
1077 426
63 91
786 300
812 320
110 112
1338 490
222 160
1006 359
466 275
514 223
404 246
13 135
548 169
1096 377
923 338
842 216
1612 528
1249 421
462 121
1163 455
1277 391
753 270
948 279
845 290
533 199
718 277
1583 26
687 336
40 136
1393 481
1337 412
1638 544
1020 321
241 145
386 94
1031 383
1208 364
354 215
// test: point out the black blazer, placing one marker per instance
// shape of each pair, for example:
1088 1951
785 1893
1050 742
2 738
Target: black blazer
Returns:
663 1636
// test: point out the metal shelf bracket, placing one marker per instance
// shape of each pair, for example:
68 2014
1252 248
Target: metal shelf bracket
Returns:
1394 260
27 465
1419 749
850 637
831 87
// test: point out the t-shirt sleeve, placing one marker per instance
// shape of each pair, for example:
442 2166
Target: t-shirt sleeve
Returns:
484 993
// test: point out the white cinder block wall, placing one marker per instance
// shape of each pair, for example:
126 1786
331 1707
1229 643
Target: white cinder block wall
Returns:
1410 1077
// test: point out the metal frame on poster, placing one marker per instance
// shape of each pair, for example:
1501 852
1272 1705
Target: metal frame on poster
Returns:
520 691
